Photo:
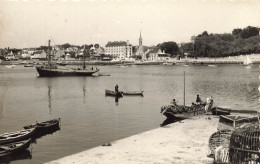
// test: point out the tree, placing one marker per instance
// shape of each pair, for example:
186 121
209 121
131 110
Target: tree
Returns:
66 45
249 32
169 47
237 31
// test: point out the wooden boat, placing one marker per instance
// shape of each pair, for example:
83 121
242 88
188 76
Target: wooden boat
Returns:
52 70
20 155
11 148
221 137
17 136
180 111
140 93
220 111
113 93
45 126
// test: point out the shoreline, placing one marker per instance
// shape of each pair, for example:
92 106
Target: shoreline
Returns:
184 141
200 61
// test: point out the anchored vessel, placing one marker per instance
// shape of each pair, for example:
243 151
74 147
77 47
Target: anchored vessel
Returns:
53 70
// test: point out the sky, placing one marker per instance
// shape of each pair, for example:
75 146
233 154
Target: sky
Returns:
29 23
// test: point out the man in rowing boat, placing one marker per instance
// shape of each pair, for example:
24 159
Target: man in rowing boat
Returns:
116 88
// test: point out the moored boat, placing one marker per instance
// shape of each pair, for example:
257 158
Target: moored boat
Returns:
45 126
16 136
140 93
113 93
52 70
180 111
15 147
220 111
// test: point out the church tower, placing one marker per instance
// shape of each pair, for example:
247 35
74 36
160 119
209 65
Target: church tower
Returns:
140 50
140 40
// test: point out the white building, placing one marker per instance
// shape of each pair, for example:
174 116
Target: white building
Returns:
119 49
156 54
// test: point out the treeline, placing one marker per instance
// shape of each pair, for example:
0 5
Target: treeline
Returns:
239 42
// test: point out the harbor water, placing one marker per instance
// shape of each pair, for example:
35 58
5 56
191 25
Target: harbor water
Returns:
89 118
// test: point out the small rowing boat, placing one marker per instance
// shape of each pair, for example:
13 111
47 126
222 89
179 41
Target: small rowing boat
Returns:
113 93
45 126
220 111
140 93
12 148
16 136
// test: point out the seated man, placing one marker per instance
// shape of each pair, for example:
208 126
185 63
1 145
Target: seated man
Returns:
174 103
198 100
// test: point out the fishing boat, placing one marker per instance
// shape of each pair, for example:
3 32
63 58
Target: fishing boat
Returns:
16 136
220 111
51 70
140 93
113 93
181 111
45 126
247 62
12 148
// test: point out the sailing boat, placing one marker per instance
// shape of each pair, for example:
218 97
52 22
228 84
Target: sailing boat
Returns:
247 61
51 70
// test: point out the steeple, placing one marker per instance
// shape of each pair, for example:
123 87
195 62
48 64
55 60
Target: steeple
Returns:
140 40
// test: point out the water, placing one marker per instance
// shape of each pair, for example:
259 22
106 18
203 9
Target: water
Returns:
89 118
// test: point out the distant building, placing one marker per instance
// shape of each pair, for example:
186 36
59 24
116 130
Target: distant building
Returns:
156 54
119 49
39 55
140 50
10 56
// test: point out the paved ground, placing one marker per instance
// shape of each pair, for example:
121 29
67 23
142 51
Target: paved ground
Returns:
180 142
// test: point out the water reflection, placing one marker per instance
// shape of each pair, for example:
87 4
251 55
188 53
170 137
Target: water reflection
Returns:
22 155
49 98
84 94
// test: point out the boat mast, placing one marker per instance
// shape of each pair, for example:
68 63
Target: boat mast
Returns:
84 51
184 90
49 54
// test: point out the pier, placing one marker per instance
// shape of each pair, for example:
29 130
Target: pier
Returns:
185 141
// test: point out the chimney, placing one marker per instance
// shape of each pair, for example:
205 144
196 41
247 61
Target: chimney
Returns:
127 42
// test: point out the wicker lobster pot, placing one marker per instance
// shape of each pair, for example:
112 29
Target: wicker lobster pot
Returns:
245 145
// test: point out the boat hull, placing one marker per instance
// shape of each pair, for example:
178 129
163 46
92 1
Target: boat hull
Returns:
220 111
17 136
47 72
113 93
183 112
12 148
137 93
